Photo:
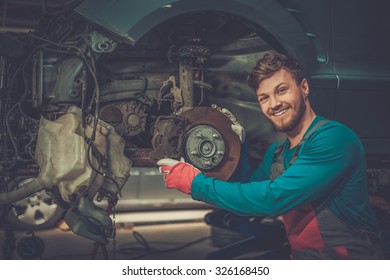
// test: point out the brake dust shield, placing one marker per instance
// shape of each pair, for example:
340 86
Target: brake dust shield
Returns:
210 144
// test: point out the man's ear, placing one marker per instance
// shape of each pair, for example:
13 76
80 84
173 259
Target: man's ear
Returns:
305 87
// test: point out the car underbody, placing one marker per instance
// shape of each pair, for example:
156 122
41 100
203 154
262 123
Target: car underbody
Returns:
81 105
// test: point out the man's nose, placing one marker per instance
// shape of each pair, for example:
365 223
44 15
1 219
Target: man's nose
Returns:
275 103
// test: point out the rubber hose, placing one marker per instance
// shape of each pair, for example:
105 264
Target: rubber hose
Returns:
19 194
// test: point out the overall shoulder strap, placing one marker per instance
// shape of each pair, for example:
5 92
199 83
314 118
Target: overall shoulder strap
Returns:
277 167
307 135
314 128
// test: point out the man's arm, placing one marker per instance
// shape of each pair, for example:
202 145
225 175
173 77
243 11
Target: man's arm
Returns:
244 172
326 159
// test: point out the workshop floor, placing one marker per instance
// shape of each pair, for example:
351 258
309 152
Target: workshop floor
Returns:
146 235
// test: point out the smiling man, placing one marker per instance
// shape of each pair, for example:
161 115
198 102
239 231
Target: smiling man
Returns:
315 179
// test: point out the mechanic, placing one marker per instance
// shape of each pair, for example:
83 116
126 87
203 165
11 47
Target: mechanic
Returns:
315 178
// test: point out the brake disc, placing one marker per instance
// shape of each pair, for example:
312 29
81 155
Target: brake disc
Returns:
210 144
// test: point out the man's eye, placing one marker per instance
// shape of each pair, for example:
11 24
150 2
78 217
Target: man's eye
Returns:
282 90
262 99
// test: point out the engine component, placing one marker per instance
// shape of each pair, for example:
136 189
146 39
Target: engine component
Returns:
38 211
100 43
191 59
167 137
63 140
79 170
57 80
117 166
210 144
196 52
174 91
122 87
88 220
128 118
18 194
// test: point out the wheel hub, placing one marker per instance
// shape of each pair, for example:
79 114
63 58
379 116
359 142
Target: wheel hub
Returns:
204 147
36 209
210 144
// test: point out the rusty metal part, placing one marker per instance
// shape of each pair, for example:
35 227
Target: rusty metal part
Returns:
111 114
141 157
168 136
212 120
128 118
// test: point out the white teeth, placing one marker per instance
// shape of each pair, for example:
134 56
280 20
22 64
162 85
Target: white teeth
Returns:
280 112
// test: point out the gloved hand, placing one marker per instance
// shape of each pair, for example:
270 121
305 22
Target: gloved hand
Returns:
177 174
236 126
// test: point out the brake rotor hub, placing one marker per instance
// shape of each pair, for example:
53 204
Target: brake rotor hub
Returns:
210 144
204 147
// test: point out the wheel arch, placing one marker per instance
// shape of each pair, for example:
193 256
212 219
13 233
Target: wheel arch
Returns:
278 24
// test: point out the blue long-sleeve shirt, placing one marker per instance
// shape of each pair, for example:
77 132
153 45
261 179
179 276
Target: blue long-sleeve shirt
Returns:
331 165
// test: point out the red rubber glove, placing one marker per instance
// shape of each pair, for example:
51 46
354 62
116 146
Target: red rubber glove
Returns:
177 174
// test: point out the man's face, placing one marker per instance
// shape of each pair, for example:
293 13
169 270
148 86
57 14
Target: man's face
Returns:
282 100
